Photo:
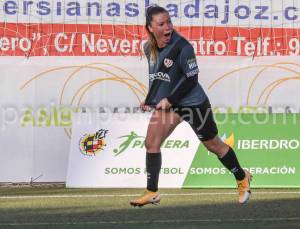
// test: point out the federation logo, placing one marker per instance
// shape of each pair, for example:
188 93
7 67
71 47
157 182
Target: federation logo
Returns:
91 144
168 63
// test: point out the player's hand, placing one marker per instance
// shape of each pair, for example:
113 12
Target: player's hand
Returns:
144 107
164 104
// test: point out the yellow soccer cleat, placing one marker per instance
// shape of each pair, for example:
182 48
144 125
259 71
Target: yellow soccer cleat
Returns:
148 198
244 188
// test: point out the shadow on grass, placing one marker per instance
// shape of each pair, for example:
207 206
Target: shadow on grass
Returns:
278 213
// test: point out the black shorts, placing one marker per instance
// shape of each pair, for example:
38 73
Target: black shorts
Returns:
200 118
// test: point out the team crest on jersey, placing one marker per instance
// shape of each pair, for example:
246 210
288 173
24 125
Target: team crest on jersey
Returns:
168 63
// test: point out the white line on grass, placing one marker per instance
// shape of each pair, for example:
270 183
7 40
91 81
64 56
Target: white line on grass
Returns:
131 195
242 220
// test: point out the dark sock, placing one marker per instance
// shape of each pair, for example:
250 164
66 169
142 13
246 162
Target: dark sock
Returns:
231 162
153 165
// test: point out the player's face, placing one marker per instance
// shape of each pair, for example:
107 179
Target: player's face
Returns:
161 27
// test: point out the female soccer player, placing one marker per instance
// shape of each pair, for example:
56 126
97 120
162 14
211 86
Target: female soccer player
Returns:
176 95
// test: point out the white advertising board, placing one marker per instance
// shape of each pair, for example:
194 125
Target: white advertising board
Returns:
120 160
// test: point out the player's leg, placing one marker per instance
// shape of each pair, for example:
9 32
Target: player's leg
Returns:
161 125
228 158
206 129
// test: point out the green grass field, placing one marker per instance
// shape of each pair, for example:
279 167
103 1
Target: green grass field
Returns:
44 207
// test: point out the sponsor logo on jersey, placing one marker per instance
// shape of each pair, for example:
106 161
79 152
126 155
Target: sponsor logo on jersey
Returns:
192 67
192 63
159 76
192 73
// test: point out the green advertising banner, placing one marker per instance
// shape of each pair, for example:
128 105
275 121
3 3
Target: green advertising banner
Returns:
268 145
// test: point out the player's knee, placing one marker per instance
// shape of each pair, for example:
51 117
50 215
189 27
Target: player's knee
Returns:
152 145
214 148
217 147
